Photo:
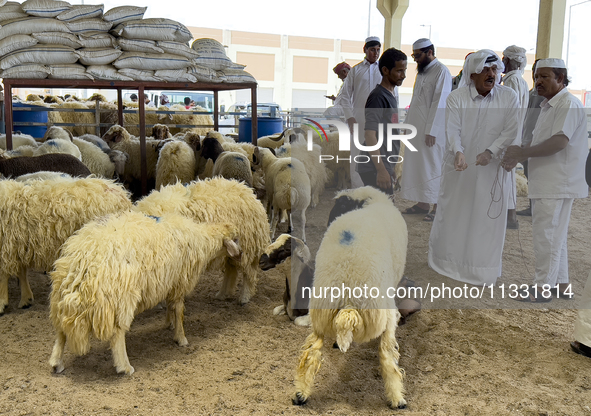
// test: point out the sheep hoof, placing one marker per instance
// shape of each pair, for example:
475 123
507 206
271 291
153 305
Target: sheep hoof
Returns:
25 304
279 310
183 342
401 405
303 320
126 370
299 400
58 368
336 346
220 296
2 310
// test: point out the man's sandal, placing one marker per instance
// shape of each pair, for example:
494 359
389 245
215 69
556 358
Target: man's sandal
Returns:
415 209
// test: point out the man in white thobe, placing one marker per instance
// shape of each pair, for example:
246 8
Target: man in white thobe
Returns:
557 158
422 169
468 233
515 60
531 117
336 110
360 81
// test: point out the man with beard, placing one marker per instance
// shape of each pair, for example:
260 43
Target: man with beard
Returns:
381 110
360 81
515 60
468 233
422 168
557 157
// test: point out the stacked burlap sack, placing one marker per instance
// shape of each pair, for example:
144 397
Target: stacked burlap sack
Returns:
53 39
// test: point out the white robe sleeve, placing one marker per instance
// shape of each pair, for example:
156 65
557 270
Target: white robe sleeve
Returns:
346 95
436 118
453 122
512 124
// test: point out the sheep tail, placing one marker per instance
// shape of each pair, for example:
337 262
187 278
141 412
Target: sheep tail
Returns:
73 318
346 322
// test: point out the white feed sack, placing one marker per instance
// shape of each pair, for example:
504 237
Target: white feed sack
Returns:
33 71
69 71
88 25
81 11
15 42
177 48
45 8
58 38
98 56
153 29
106 72
30 25
40 54
140 75
236 75
97 40
211 54
139 45
11 11
151 61
204 73
124 13
175 75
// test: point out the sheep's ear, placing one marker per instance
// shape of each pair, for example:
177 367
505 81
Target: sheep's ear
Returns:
233 248
117 137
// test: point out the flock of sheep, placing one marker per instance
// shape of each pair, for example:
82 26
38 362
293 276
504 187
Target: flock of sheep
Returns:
66 208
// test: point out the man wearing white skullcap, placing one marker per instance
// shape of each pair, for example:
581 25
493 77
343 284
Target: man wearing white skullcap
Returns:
468 232
557 158
427 114
362 79
515 60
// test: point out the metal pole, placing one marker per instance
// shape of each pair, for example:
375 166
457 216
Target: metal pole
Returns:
8 113
369 20
216 112
143 153
254 116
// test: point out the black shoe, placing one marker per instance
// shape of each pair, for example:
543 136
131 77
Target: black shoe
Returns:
581 348
526 212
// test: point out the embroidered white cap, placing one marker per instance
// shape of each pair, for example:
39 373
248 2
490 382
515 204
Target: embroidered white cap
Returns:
372 39
550 63
421 43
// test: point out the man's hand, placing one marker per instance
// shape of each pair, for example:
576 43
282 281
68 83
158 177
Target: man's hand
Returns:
351 121
460 162
429 140
483 158
383 179
514 152
509 164
331 97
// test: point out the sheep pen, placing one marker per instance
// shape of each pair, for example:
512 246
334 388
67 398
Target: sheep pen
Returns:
241 359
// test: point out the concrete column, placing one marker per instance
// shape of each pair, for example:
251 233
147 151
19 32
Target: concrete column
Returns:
550 29
393 11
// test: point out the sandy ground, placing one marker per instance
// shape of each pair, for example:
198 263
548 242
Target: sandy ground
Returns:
241 360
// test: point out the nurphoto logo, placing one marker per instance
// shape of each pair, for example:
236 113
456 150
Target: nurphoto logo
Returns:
392 134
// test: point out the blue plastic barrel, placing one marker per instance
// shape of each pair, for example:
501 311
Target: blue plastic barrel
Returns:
266 126
37 114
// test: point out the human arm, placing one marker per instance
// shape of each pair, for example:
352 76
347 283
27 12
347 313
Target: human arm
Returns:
383 177
510 126
453 124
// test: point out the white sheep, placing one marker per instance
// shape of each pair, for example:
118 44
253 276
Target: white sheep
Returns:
176 162
272 141
25 150
339 162
312 162
115 268
37 217
220 200
18 140
233 165
293 257
97 141
288 188
58 146
41 176
365 247
119 138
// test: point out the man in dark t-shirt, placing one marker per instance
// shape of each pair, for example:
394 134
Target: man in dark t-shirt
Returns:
376 167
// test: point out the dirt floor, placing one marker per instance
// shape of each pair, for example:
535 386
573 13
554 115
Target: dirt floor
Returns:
482 358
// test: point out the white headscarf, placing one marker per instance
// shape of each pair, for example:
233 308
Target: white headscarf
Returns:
476 61
516 54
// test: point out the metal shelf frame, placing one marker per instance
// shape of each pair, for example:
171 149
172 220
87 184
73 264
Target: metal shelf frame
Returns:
141 87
